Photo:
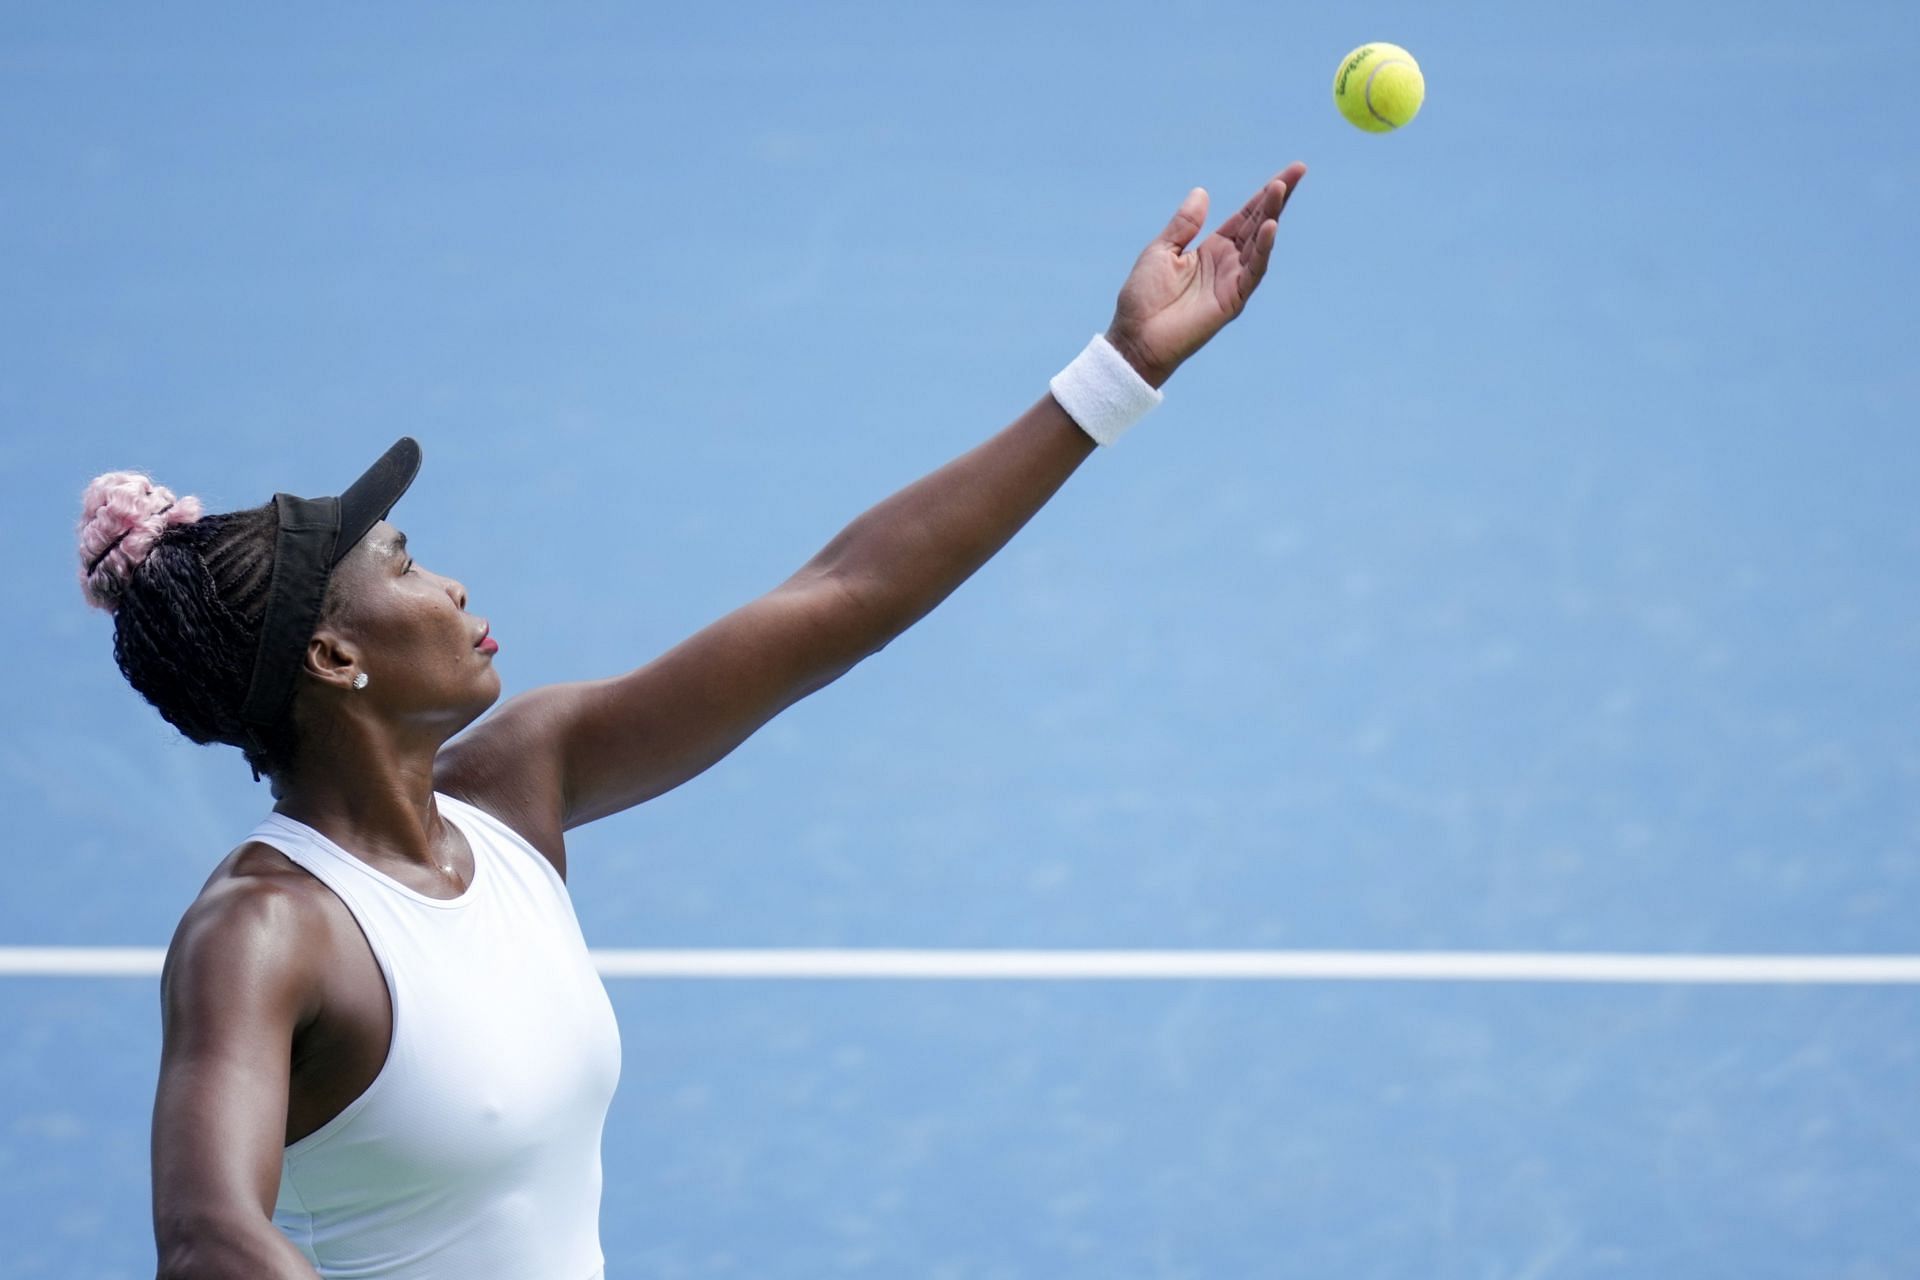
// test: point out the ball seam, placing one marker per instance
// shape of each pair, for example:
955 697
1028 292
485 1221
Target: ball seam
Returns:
1377 67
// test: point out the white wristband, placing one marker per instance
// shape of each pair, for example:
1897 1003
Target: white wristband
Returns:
1102 392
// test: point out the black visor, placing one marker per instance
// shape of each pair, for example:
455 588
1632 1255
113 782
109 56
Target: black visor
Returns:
315 535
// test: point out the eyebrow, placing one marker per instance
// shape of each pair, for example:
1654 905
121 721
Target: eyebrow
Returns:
398 545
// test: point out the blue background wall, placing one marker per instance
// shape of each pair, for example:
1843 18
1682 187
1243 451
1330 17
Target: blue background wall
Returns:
1531 567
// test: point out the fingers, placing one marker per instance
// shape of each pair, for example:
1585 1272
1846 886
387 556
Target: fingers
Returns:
1261 248
1243 228
1187 220
1290 176
1266 204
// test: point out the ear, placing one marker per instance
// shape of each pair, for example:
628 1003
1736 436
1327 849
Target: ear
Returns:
332 660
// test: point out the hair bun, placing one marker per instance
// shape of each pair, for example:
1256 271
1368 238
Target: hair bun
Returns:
122 514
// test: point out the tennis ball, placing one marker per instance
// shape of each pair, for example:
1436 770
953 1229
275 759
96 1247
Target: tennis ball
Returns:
1379 87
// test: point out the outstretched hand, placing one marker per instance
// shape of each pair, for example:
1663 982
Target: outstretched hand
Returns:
1176 300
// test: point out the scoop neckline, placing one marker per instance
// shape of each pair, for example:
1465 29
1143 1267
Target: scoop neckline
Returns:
374 873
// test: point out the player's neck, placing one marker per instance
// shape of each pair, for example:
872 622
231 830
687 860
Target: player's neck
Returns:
372 797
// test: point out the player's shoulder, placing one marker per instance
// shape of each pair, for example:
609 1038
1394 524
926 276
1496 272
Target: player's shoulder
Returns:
258 914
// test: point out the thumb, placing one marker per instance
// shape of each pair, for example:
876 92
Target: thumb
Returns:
1187 220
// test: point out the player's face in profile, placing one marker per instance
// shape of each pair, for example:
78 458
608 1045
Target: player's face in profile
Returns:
412 630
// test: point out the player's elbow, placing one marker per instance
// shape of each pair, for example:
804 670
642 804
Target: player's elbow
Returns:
187 1256
202 1246
861 617
188 1249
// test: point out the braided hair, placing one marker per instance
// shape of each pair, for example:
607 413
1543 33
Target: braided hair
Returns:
188 594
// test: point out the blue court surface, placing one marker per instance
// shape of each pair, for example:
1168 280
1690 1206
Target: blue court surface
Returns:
1529 572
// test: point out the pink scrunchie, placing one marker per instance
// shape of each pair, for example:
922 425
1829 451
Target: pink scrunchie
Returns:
122 514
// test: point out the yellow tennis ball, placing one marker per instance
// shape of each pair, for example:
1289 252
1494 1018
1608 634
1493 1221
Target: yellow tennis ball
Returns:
1379 87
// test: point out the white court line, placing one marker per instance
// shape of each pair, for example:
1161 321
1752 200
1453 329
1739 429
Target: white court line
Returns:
1267 966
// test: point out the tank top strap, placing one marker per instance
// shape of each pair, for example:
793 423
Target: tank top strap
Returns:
500 839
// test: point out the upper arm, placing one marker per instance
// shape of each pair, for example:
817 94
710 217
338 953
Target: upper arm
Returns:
237 984
566 754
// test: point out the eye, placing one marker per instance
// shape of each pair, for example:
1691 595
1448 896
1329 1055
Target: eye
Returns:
409 568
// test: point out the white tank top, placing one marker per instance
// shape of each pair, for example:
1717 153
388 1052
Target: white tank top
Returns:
475 1154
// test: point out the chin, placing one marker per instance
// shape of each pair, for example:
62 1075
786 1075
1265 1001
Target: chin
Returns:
484 697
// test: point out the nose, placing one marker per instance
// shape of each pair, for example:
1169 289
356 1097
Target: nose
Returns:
458 590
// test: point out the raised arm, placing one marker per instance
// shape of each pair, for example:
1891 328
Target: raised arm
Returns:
233 992
563 755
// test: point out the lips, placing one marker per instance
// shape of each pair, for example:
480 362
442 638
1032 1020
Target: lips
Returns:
486 643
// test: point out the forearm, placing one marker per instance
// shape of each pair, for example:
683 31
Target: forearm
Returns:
910 552
899 560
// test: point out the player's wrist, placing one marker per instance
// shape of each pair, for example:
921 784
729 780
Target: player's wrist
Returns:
1102 391
1153 373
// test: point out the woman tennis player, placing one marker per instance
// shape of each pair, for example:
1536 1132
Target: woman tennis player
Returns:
386 1050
